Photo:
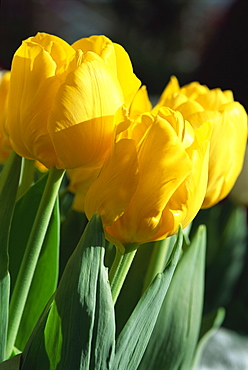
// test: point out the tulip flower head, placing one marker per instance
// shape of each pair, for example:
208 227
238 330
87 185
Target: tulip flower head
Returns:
199 104
63 98
154 179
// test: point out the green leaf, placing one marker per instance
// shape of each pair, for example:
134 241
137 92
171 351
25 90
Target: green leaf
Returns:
23 219
4 312
71 230
44 281
230 260
134 337
210 324
175 335
46 274
130 292
9 180
77 331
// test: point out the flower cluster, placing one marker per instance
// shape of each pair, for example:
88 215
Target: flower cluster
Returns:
144 169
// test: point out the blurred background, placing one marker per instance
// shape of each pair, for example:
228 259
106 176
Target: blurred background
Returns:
204 40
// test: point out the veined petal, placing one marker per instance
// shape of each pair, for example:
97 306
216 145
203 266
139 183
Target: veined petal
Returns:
82 116
187 199
31 68
196 183
128 80
194 89
100 45
189 107
81 179
60 51
172 101
159 177
232 128
111 192
5 147
116 58
140 103
171 88
212 100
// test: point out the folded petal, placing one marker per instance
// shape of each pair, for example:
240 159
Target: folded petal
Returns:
140 103
81 119
159 177
227 151
128 80
111 192
32 67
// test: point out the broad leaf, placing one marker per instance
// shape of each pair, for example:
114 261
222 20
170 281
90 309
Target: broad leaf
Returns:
130 292
77 330
175 335
46 273
9 180
44 281
134 337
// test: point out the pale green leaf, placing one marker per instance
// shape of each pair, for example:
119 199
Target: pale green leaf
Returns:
77 331
175 335
9 180
134 337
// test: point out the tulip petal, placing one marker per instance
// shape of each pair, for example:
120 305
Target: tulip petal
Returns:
81 179
195 186
171 88
82 116
194 89
32 67
100 45
159 177
223 172
60 51
128 81
212 100
112 191
115 56
140 103
5 147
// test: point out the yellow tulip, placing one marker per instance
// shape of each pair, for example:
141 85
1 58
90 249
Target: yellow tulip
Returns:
153 179
199 104
63 98
5 147
80 179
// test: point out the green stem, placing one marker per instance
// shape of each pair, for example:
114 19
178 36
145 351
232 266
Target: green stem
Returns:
31 255
26 177
157 263
119 270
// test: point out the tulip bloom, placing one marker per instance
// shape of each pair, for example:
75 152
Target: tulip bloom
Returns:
199 104
63 98
80 179
5 147
154 179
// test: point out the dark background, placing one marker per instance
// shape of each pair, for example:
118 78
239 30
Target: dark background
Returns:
203 40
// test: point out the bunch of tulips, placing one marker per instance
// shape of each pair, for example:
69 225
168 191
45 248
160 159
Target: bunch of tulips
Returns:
75 119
